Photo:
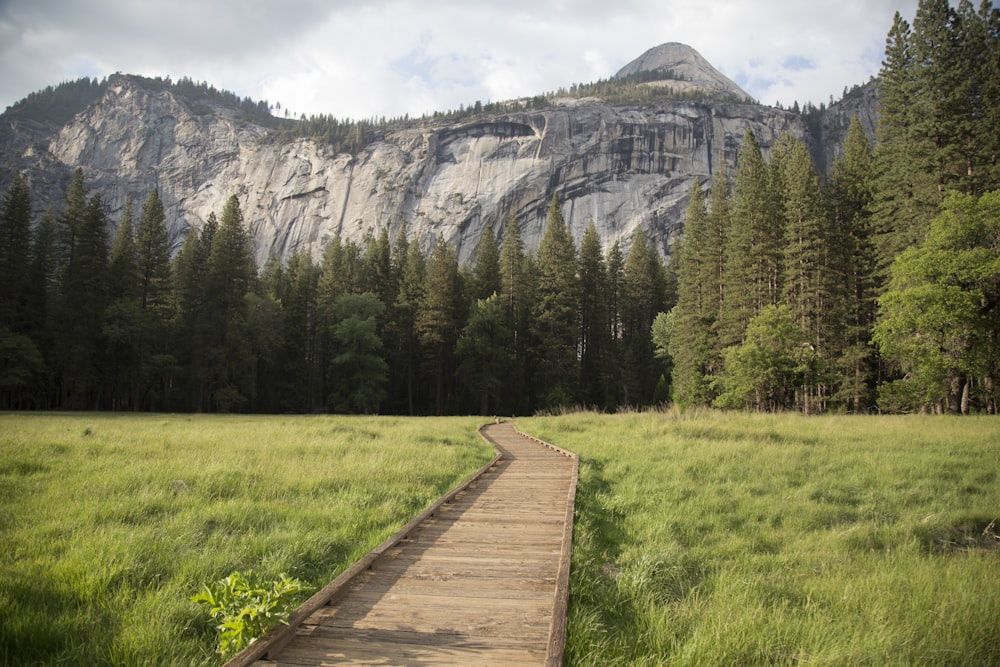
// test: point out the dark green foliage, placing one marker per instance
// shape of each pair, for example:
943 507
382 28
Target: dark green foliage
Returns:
850 206
15 244
359 371
690 339
80 341
766 369
555 315
231 275
486 270
437 323
940 317
646 292
752 245
58 104
594 336
515 290
483 351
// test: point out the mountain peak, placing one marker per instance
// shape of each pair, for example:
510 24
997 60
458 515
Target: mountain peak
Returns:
682 67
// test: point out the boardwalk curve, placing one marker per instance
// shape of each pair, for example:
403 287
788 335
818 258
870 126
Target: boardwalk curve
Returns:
480 577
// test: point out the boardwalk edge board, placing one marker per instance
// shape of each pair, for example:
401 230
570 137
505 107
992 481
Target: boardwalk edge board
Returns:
557 629
277 638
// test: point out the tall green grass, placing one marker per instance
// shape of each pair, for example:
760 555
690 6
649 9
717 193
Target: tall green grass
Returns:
713 538
109 523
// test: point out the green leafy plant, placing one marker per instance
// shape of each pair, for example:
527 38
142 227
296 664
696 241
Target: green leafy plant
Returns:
245 606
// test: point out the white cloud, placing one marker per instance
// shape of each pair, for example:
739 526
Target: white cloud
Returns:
390 57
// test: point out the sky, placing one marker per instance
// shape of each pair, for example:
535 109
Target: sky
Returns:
373 58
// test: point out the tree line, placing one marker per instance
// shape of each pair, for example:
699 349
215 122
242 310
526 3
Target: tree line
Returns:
118 324
877 288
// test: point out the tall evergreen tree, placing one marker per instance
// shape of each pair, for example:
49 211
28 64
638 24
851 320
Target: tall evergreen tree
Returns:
437 323
122 317
156 303
644 297
15 246
20 358
696 312
483 350
72 217
378 277
361 371
231 276
810 283
594 335
192 320
615 359
81 312
407 307
514 291
42 306
556 313
752 245
852 196
486 271
898 213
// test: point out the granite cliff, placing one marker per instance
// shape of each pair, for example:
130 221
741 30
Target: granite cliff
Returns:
627 167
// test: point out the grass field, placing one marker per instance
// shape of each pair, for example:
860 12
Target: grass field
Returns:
702 538
109 523
729 539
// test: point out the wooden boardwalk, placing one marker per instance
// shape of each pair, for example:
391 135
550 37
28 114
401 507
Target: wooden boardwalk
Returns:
480 578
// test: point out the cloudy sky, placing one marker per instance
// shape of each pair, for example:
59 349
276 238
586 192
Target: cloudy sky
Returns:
364 58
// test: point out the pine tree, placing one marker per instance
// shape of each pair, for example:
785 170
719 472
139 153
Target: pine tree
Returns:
231 276
42 305
193 320
82 302
614 371
155 296
752 248
357 359
514 292
377 276
486 271
20 358
594 335
72 217
407 307
484 352
810 283
295 375
852 196
15 246
694 316
437 323
122 317
556 313
898 214
643 298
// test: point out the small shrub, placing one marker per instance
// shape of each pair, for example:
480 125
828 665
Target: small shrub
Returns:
244 607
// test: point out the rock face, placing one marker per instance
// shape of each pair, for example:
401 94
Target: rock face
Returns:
629 169
688 69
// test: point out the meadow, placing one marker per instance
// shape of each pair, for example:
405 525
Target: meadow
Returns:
710 538
110 523
700 538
